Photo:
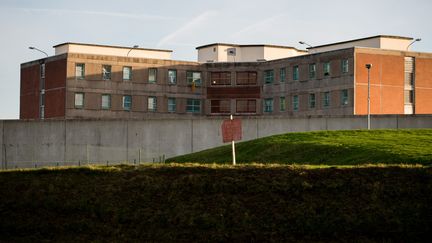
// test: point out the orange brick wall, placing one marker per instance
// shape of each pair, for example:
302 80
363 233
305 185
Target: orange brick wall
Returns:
387 84
423 83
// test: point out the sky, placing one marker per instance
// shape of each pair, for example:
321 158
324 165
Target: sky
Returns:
183 25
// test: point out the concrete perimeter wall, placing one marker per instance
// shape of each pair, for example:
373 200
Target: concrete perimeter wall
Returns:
78 142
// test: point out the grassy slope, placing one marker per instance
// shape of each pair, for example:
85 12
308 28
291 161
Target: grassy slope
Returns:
328 147
216 203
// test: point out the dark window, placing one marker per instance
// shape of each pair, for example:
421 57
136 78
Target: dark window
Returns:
220 78
106 72
246 78
220 106
246 106
268 76
193 78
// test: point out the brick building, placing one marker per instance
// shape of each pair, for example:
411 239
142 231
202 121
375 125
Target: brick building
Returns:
97 81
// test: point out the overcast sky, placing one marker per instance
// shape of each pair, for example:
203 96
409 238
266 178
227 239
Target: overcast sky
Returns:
183 25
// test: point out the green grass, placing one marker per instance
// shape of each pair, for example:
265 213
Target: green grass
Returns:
409 146
196 202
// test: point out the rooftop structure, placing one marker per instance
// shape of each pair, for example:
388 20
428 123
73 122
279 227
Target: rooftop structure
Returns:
389 42
222 52
106 50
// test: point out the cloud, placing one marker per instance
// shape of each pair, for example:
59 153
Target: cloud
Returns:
257 26
108 14
188 26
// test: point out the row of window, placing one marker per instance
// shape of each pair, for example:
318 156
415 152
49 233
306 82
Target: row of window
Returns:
217 78
268 103
192 77
269 74
192 105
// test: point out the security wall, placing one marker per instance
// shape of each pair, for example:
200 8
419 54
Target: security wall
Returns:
29 144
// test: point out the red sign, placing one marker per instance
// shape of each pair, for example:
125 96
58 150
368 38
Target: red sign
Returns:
231 130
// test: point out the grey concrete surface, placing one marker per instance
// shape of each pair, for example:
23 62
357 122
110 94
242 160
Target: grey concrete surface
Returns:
27 144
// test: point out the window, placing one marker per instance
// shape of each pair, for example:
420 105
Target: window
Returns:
152 103
246 106
268 105
193 78
344 65
220 78
344 97
79 100
312 101
246 78
326 69
282 104
42 70
172 76
282 74
79 70
268 76
106 101
171 105
295 103
326 99
193 105
220 106
127 73
295 73
106 72
408 94
152 75
312 70
127 102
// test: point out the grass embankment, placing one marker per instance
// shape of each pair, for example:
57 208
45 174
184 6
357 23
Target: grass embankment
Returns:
409 146
217 203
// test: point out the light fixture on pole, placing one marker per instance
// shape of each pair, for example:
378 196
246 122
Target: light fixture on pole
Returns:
34 48
368 66
414 41
135 46
304 43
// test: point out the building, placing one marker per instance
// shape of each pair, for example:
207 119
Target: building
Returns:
98 81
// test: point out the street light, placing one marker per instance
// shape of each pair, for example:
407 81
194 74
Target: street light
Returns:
135 46
304 43
414 41
34 48
368 66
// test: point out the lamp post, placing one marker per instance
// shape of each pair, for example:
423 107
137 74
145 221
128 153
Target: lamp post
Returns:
304 43
135 46
414 41
368 66
34 48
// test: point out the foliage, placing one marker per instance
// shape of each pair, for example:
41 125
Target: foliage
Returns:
217 203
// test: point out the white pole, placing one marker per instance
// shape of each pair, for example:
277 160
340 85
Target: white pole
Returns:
233 147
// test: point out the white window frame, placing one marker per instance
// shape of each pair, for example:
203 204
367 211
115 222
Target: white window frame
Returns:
125 108
152 103
172 106
79 100
172 76
109 102
127 75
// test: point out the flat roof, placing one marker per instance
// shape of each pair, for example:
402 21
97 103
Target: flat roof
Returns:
248 45
122 47
366 38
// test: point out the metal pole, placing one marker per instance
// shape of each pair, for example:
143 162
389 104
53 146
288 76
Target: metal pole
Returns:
233 146
368 66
